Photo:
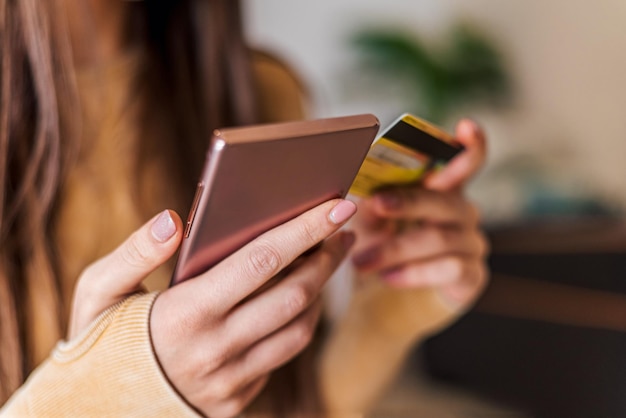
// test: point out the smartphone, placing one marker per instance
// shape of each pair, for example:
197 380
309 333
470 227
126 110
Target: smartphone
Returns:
258 177
404 153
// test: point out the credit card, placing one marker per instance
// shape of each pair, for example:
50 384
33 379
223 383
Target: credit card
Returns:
403 154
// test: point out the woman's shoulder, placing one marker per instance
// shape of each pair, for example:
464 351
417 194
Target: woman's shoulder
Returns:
282 93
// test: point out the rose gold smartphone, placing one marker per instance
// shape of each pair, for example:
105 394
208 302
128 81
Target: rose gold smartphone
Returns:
258 177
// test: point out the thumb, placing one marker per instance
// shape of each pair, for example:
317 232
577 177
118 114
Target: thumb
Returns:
466 164
120 273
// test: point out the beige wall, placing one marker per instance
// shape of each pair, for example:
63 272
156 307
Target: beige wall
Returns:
568 59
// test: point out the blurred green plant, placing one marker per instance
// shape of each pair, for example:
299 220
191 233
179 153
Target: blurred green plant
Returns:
465 69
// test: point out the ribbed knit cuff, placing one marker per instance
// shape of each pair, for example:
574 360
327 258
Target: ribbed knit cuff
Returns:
110 369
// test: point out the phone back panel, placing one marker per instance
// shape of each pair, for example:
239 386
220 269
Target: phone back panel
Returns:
258 177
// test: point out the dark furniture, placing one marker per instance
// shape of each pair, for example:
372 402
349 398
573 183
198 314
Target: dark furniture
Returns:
548 336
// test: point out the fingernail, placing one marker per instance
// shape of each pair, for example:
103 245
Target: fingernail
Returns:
389 201
342 212
366 257
475 128
163 227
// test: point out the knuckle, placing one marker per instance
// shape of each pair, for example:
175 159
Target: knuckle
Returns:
298 298
303 332
135 253
91 283
193 318
218 358
206 363
264 260
447 270
453 267
309 232
221 389
239 401
233 407
87 277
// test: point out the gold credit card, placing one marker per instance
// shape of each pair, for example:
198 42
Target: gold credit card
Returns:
403 154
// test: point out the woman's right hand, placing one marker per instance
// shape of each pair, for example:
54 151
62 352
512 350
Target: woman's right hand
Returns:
215 338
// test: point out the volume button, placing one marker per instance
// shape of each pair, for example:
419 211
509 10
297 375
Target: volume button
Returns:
194 208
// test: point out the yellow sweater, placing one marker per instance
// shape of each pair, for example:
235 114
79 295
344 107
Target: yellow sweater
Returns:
111 369
108 370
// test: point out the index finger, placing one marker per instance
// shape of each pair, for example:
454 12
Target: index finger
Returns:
244 271
466 164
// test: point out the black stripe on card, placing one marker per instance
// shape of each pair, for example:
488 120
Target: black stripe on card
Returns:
415 138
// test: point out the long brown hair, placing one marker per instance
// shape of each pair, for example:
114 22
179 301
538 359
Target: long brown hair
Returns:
198 70
194 77
36 142
39 131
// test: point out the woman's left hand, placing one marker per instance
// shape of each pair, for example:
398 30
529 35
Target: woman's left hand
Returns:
429 235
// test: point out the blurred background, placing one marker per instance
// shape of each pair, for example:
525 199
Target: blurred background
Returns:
563 129
547 81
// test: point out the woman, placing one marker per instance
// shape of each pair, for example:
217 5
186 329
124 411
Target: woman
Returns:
105 107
